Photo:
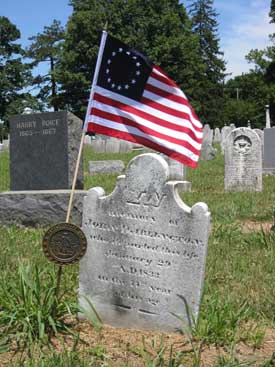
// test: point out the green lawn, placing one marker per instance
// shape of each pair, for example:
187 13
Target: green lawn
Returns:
240 271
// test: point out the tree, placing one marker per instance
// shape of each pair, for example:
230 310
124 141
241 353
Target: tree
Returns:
46 47
159 29
14 74
210 91
272 11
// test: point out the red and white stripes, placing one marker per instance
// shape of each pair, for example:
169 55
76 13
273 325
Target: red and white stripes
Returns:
163 119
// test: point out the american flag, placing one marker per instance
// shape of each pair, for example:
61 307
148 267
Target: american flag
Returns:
135 100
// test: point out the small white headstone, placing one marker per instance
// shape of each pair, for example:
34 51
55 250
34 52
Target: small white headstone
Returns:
112 145
125 146
217 135
101 167
207 134
146 250
243 161
99 145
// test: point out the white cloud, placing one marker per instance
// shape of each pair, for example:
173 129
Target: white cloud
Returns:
243 27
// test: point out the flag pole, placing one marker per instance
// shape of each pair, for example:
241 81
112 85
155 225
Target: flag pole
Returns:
98 63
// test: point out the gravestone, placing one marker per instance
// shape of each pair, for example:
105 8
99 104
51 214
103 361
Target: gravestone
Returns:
243 161
43 151
101 167
112 145
269 151
217 135
146 250
177 170
87 139
99 145
226 130
207 135
208 152
125 146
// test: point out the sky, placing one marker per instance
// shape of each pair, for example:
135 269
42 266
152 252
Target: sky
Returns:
243 24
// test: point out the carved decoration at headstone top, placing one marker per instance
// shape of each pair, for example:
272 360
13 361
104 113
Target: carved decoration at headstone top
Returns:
243 161
146 250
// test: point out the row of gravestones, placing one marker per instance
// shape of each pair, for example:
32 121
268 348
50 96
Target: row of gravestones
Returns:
43 132
101 144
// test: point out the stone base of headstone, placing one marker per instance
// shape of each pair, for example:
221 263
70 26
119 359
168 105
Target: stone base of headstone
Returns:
39 208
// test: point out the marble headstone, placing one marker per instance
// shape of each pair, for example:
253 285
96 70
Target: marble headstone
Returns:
207 134
207 152
101 167
217 135
224 133
125 146
43 151
269 151
243 161
146 250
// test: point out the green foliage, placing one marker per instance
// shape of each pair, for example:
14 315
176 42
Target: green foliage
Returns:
95 357
30 311
46 47
209 92
241 112
14 73
272 11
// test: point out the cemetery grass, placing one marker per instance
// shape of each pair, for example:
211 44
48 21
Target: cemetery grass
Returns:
236 323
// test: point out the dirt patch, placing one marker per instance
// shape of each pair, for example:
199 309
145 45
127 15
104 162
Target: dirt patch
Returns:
250 226
132 348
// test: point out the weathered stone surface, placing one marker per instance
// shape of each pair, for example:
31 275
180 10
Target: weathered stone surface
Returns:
269 151
260 134
114 166
207 135
146 250
6 143
207 152
243 161
226 130
43 151
112 145
99 145
125 146
177 170
74 125
87 140
39 208
217 135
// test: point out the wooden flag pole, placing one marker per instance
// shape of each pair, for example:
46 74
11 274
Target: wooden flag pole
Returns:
98 63
100 54
75 177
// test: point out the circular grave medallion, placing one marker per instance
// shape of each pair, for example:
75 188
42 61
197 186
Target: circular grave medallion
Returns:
64 243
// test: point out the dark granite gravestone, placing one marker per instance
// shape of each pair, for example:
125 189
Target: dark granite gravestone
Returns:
269 151
43 151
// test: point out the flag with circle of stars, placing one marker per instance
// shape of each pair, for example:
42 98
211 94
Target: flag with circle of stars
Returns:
123 70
